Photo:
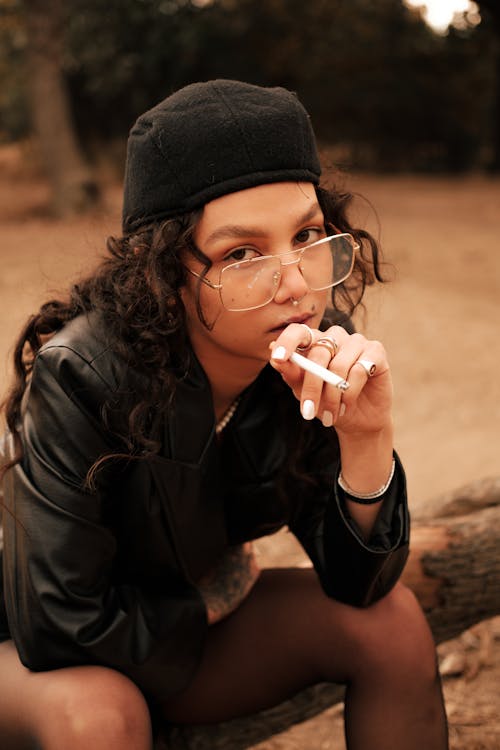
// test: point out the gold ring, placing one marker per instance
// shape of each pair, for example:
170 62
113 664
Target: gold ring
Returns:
368 366
305 347
328 342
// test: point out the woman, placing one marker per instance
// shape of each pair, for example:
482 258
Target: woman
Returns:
158 425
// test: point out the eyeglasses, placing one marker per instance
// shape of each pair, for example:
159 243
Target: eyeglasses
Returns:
253 283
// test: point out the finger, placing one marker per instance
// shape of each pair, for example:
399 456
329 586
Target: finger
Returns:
295 335
359 375
307 387
350 349
313 386
319 396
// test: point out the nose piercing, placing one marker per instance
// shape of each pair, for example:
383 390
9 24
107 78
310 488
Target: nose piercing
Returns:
295 302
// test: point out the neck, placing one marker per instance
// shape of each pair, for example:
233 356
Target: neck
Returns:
227 385
228 377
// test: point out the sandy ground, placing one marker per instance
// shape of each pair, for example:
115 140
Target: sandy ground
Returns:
438 319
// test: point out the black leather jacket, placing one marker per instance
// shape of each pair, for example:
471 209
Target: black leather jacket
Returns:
107 577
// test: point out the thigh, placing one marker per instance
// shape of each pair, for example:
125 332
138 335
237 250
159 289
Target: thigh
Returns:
285 636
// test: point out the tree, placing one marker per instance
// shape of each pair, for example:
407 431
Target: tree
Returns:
73 187
454 569
490 10
378 82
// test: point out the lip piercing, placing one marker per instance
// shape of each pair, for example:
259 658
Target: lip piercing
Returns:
295 302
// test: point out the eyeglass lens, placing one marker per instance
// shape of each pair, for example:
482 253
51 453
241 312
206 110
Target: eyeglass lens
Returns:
253 283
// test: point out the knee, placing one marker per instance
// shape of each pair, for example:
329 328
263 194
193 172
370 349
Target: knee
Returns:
399 636
99 708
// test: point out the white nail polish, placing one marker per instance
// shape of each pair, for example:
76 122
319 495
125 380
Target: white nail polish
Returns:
279 353
308 409
327 418
342 410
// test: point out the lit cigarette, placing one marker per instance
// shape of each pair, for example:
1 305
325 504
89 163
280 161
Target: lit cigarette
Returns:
321 372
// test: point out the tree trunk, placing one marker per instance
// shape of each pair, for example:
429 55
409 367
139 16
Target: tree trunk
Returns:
73 187
492 8
453 568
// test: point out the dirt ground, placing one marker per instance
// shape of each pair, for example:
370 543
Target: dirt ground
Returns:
439 321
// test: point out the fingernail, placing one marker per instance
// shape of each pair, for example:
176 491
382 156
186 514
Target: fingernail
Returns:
308 409
327 418
279 353
342 410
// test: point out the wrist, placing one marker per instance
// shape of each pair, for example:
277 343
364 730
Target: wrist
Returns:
366 498
366 461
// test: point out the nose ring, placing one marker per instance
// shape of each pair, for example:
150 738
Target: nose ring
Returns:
295 302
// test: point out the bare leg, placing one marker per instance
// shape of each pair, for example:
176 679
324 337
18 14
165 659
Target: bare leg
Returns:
288 634
77 708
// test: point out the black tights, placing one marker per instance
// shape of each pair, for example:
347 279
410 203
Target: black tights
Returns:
288 635
285 636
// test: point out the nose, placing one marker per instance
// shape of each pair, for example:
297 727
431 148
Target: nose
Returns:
292 284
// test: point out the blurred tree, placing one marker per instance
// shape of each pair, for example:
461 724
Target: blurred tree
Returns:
73 186
490 11
380 85
13 106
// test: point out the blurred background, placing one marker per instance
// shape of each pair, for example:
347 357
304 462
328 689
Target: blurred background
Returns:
405 100
386 89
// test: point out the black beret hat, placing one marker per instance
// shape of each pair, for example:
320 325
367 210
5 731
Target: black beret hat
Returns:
213 138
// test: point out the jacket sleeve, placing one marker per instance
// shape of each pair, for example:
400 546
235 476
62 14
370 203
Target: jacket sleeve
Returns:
65 605
350 569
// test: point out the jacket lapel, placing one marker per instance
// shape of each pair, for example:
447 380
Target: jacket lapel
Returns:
187 476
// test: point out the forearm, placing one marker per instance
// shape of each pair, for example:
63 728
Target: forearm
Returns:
366 461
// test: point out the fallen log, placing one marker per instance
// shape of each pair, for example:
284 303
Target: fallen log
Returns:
454 570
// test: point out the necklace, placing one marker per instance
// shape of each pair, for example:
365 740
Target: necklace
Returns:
227 416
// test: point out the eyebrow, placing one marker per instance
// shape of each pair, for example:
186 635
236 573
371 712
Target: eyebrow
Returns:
232 231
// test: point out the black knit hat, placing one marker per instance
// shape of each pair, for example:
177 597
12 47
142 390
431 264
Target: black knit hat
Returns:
210 139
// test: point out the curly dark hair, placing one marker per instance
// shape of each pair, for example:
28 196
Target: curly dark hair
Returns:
136 291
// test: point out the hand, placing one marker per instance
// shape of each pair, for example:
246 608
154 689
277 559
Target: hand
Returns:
228 584
365 407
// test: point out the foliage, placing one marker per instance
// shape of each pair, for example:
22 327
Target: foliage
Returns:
380 85
14 121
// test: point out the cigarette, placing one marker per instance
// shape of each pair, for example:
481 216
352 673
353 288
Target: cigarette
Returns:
321 372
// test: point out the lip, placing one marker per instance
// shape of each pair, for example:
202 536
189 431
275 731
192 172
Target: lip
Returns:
307 317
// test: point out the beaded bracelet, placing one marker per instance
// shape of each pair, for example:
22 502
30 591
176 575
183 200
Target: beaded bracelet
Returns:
366 498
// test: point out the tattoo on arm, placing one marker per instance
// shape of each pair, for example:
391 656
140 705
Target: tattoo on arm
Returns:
225 587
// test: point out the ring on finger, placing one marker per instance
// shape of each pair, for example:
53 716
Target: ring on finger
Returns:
328 343
368 366
306 347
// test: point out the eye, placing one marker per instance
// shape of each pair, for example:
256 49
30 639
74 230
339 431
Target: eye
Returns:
309 235
241 253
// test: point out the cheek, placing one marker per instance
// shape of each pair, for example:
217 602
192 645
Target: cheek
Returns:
320 302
